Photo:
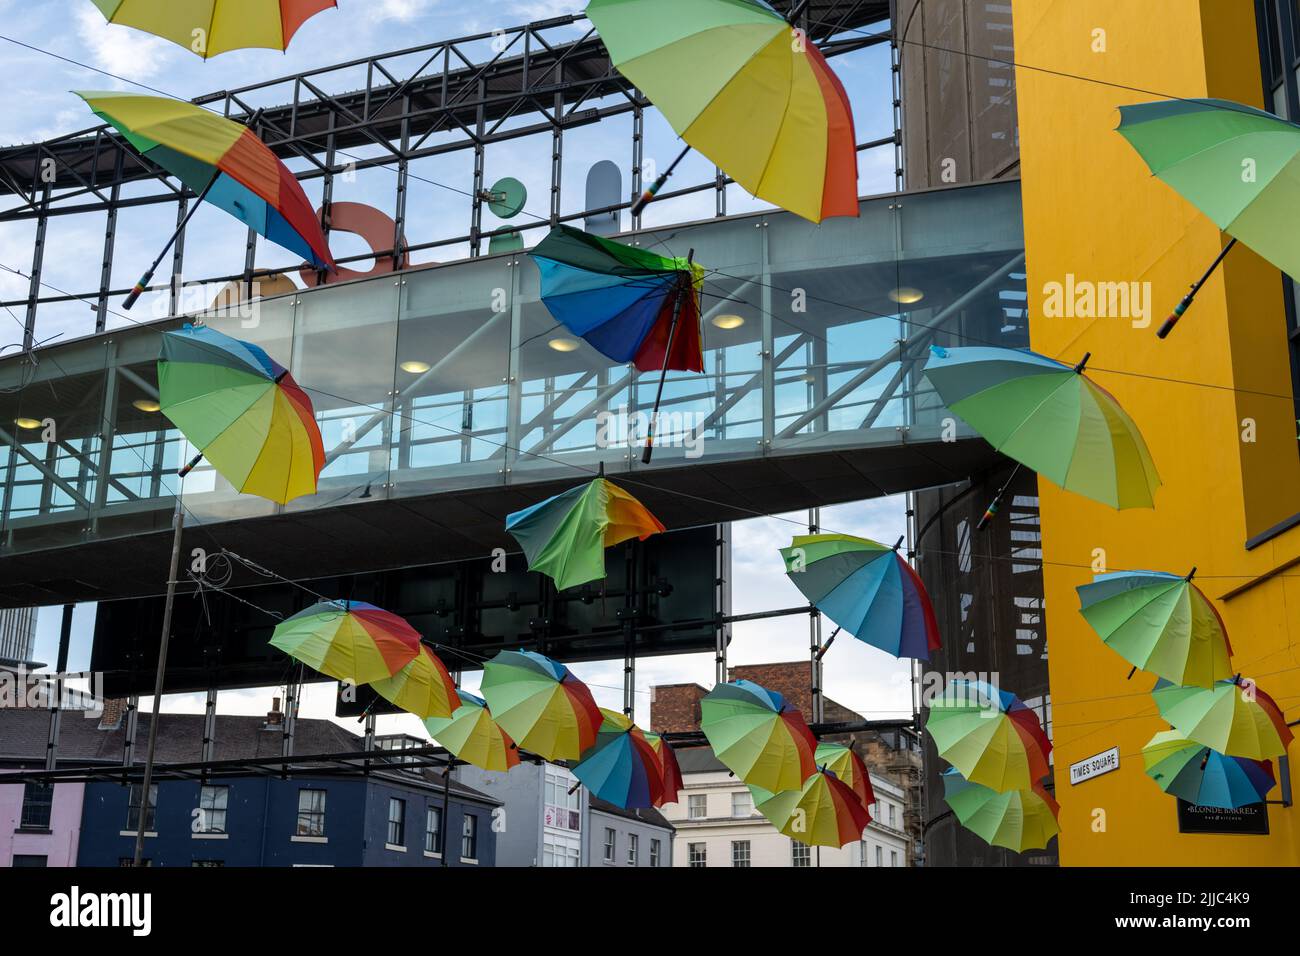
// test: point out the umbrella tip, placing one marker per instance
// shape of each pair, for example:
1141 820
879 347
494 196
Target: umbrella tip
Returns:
1083 362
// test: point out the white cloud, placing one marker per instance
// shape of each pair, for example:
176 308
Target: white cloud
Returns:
122 50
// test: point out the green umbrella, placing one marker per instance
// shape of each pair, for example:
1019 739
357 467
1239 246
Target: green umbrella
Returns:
1203 149
1234 717
823 812
758 735
1019 820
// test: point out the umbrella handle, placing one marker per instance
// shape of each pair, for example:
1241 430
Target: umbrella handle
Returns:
190 466
648 452
1186 301
139 288
648 196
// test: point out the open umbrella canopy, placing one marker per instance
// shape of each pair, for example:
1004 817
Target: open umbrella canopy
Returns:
1205 777
1049 417
223 161
348 640
989 735
1198 147
1234 717
209 27
621 767
541 704
243 411
423 687
738 84
470 734
1161 623
623 299
565 537
669 771
1020 820
867 589
848 768
822 812
758 735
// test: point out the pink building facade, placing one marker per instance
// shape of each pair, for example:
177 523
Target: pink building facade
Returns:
52 846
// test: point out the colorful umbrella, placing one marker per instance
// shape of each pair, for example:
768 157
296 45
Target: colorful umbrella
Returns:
989 735
1161 623
1233 717
1051 418
565 537
243 411
848 768
823 812
1020 820
209 27
1200 147
540 704
470 734
761 738
738 83
867 589
1205 777
669 771
348 640
224 163
423 687
621 767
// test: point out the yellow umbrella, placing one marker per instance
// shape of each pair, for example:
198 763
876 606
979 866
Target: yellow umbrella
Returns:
209 27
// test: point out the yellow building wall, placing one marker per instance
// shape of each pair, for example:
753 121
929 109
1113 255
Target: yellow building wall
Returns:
1092 209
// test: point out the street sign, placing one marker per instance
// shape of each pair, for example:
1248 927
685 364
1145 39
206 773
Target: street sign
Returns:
1102 763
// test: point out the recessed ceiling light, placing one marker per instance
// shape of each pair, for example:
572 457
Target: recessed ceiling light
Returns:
728 321
906 295
146 405
27 422
415 367
563 345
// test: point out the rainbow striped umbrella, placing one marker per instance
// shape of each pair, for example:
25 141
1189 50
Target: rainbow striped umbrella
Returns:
565 537
621 767
989 735
210 27
848 768
470 734
1020 820
348 640
541 704
1234 717
243 411
758 735
823 812
1205 777
423 687
668 768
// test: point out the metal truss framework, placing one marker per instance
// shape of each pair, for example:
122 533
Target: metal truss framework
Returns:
449 103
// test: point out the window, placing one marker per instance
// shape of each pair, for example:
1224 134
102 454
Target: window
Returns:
697 854
654 852
742 804
880 855
563 810
609 844
893 858
130 861
396 822
433 830
311 813
30 860
559 851
800 854
38 801
212 809
133 809
697 806
469 837
633 844
740 853
892 820
208 863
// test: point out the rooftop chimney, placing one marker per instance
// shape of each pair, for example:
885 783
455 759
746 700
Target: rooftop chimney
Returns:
274 717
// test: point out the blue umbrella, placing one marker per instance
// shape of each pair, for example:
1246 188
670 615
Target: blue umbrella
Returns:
1203 776
622 767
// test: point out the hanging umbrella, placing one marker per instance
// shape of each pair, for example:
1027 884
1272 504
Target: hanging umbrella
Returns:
737 83
621 767
761 738
224 163
848 768
1161 623
243 411
540 704
209 27
669 771
989 735
867 589
1200 147
565 537
423 687
348 640
822 812
470 734
1205 777
1233 717
1049 417
1020 820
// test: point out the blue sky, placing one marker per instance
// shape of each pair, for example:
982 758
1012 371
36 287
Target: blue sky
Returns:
39 106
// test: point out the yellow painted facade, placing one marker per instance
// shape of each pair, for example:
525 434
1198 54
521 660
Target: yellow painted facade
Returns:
1092 210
